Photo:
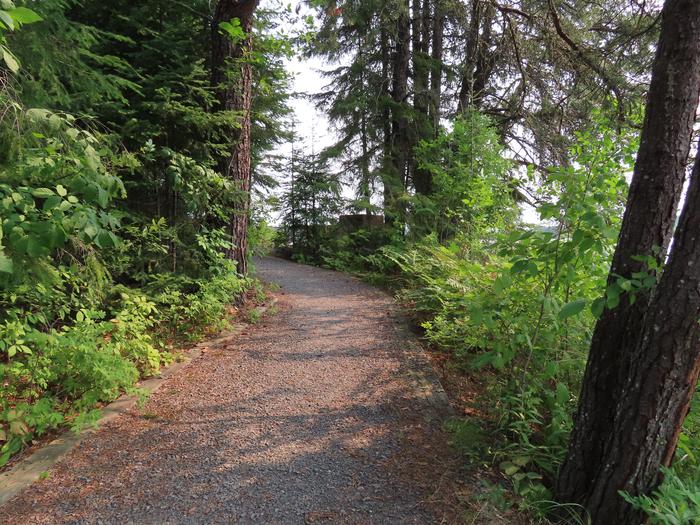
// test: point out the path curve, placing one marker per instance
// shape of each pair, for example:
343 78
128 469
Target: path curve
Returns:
319 414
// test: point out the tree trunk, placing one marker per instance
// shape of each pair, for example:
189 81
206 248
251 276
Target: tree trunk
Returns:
232 77
648 223
436 64
421 126
660 381
479 61
365 191
399 123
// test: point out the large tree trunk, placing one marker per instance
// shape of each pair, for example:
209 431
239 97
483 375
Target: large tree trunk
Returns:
646 229
660 381
232 79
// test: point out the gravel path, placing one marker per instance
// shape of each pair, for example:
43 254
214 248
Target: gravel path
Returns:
311 416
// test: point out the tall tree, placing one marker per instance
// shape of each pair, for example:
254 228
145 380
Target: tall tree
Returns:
232 77
399 144
540 68
597 466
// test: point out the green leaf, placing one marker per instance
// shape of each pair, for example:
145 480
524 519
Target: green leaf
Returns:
58 237
61 190
613 297
550 369
6 19
5 263
519 266
52 202
572 308
24 15
562 395
586 244
598 306
34 247
91 230
502 282
10 60
509 468
105 239
102 197
42 193
234 29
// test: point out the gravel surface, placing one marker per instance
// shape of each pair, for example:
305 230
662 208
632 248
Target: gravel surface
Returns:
311 416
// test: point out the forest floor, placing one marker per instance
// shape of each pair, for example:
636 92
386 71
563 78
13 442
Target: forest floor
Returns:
327 412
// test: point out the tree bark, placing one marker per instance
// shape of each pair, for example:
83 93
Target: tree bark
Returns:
421 127
396 180
660 381
386 114
232 78
436 64
648 223
479 62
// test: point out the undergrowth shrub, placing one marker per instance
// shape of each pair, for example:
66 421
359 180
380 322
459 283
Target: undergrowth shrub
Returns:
73 333
511 301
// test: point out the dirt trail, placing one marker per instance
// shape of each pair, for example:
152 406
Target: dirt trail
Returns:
311 416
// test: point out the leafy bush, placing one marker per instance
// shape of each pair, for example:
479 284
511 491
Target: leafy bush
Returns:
675 502
82 317
516 300
524 306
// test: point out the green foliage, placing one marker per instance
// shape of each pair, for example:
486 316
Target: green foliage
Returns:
112 212
11 18
472 194
675 502
310 205
515 302
520 306
677 499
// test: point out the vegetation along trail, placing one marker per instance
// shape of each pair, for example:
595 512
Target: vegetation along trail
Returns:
312 416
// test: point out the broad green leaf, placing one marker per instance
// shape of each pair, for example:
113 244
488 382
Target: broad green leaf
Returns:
572 308
598 306
613 297
24 15
7 19
519 266
34 247
42 193
5 263
52 202
90 230
105 240
10 60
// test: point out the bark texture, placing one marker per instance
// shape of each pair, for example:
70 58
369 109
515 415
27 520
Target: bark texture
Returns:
660 381
399 143
232 77
420 127
479 62
436 54
647 225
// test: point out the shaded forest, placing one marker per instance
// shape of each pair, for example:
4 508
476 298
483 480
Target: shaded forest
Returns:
521 175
